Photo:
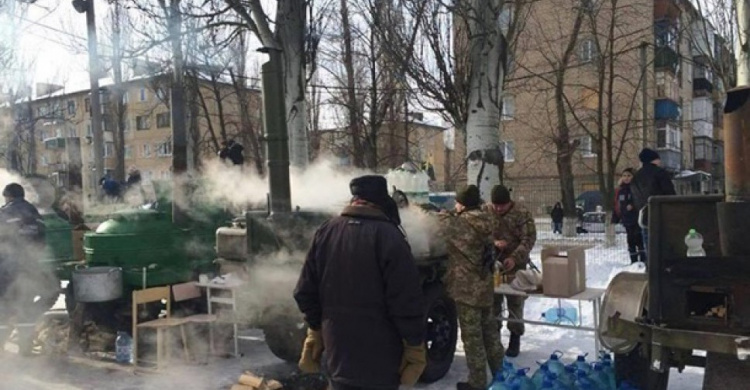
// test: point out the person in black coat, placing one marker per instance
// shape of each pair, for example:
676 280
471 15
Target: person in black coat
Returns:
233 152
557 218
361 296
627 214
650 180
22 277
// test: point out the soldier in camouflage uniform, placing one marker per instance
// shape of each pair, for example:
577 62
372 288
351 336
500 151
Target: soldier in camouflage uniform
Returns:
469 282
514 233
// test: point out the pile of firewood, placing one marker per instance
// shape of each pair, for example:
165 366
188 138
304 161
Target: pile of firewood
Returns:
717 312
250 381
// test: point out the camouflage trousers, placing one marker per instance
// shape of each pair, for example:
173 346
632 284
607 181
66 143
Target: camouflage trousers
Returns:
481 338
515 310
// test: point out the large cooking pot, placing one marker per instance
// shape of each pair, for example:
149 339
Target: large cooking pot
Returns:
97 284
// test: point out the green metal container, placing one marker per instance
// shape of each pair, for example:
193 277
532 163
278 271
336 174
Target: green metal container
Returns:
59 242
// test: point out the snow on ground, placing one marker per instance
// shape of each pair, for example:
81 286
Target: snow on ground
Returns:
539 341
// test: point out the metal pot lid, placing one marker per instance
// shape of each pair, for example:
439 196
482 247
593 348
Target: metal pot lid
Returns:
97 270
627 294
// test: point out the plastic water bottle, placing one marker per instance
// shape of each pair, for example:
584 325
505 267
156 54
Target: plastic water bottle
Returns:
521 381
499 384
123 348
599 377
508 370
582 365
569 376
694 242
560 314
556 383
555 365
583 382
609 372
539 375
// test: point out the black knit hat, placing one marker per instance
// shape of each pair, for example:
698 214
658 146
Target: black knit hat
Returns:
14 190
374 189
500 194
469 197
648 155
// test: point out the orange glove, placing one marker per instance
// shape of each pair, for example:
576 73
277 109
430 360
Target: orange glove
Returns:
413 363
312 350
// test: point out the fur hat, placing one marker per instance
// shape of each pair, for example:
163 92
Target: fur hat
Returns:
500 194
648 155
469 197
374 189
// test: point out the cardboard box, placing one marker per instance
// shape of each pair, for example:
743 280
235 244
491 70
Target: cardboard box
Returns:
563 270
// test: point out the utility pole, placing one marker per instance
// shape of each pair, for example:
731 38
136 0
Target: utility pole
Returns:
644 91
87 6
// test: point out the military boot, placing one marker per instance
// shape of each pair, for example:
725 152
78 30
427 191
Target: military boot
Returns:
514 346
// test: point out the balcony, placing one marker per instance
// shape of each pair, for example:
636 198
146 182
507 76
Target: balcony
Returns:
666 9
54 143
666 58
666 86
671 160
702 79
666 110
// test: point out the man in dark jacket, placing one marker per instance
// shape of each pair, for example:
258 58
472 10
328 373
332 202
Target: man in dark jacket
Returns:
650 180
361 295
22 279
232 151
627 215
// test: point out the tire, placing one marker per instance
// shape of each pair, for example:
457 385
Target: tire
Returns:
634 367
441 333
285 338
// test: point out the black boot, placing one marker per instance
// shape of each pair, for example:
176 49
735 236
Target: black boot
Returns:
465 386
514 346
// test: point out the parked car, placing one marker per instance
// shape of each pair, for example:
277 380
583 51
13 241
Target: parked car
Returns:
594 222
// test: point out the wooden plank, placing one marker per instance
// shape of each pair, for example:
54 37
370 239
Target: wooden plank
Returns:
150 295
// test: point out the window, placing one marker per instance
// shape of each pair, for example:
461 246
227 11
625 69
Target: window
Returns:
143 95
164 149
146 150
585 146
87 104
72 133
125 97
125 123
587 50
509 150
162 120
162 95
509 108
128 151
71 107
141 122
42 111
89 132
668 137
109 149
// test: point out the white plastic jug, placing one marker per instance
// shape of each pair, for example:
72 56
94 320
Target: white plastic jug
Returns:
694 242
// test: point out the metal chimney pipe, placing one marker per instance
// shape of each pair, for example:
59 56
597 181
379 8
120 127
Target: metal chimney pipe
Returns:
276 135
734 212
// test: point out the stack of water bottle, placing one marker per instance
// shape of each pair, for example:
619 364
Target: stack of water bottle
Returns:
555 375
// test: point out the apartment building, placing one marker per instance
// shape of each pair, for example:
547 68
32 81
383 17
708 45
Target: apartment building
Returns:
59 123
658 91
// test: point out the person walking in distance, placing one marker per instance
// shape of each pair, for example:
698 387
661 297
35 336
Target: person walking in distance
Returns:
557 218
514 233
626 214
650 180
468 234
360 276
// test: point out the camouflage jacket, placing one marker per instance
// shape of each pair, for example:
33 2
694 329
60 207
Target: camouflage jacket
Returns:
518 229
465 235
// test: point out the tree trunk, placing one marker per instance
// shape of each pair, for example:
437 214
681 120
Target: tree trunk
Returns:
352 105
742 45
118 108
290 33
487 51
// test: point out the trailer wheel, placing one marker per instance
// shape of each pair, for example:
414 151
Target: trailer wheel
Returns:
634 367
441 333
